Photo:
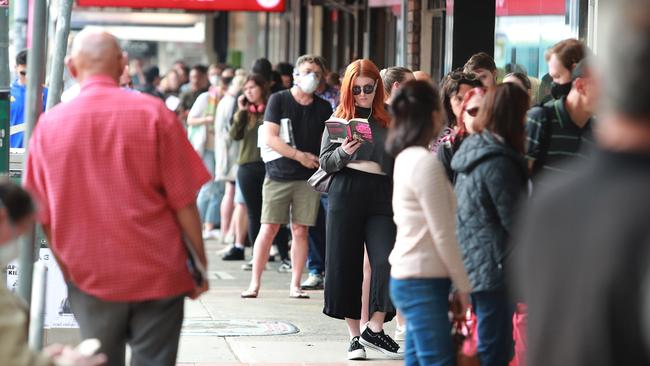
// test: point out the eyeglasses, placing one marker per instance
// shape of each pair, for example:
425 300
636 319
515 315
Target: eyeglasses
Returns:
23 73
367 89
472 111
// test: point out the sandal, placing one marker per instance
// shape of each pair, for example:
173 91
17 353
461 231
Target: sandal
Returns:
298 294
249 294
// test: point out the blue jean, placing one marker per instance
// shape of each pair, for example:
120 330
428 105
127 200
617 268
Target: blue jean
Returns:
494 313
316 254
210 195
425 303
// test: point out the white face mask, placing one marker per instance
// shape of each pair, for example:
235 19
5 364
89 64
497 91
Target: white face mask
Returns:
308 83
8 252
214 80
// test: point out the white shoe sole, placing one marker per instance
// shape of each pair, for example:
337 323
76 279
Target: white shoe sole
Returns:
391 355
358 354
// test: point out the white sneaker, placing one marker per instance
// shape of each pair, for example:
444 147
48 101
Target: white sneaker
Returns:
400 333
211 234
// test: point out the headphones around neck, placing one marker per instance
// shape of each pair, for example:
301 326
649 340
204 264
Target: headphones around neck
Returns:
256 108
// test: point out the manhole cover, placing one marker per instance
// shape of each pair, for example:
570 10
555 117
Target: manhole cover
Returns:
236 328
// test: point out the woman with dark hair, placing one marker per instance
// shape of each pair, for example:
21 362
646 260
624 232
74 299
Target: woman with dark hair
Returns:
360 211
426 258
449 143
491 176
520 79
250 175
454 87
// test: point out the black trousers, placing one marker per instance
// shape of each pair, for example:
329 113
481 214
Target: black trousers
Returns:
360 211
251 179
151 328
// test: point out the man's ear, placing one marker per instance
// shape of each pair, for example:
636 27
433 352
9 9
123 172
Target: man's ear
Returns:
69 63
579 84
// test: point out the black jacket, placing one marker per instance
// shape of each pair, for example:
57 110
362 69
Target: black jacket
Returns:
490 178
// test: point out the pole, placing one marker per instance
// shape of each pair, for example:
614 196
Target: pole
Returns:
5 80
21 11
33 108
404 38
37 315
4 103
60 48
267 34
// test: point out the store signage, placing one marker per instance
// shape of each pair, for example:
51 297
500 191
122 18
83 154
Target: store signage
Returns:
205 5
530 7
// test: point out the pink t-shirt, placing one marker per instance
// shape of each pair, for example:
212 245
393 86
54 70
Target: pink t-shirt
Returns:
109 169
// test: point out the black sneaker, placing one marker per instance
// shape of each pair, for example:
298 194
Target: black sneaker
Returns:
234 254
356 351
381 342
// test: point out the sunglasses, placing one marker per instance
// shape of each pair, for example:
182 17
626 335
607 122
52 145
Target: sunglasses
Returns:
23 73
367 89
472 111
461 76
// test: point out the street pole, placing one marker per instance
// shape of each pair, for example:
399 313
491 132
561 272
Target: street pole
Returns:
4 103
21 12
5 80
60 48
33 108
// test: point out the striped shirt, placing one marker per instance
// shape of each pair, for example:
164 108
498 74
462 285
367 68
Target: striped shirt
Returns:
553 138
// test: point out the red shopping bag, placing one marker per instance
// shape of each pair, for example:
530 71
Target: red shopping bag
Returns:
465 335
519 320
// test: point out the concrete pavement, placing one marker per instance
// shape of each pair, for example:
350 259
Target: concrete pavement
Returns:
319 340
223 329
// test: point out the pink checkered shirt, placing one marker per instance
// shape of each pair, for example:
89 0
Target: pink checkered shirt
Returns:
109 169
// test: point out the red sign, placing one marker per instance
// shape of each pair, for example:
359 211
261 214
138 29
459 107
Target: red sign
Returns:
206 5
530 7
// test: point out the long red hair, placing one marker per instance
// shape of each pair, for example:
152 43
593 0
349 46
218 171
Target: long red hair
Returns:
367 68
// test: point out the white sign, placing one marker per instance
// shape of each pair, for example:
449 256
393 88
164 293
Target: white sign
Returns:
57 306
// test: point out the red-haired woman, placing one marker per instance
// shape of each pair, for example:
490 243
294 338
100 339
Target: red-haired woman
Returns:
360 211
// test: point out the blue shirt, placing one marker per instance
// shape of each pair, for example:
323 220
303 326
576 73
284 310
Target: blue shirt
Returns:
17 112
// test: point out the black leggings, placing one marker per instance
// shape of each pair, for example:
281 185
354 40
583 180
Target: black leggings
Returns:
251 179
360 211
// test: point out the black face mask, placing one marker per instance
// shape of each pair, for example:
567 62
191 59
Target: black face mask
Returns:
560 90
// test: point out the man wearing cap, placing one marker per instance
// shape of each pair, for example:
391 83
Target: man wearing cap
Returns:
562 128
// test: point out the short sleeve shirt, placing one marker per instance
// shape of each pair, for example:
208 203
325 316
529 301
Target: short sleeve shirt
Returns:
307 123
109 170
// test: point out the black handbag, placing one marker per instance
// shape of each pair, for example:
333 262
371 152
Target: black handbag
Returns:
321 180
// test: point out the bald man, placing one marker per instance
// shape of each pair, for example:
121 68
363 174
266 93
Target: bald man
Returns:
117 181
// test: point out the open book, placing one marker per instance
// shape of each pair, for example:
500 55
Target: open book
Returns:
356 128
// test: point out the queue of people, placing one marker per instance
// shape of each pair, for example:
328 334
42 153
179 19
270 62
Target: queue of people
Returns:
422 206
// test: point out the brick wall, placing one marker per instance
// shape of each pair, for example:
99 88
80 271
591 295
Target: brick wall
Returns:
413 34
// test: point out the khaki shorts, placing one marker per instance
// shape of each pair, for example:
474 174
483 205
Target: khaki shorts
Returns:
295 200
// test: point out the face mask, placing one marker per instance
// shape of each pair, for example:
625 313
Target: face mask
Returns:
560 90
308 83
8 252
214 80
227 80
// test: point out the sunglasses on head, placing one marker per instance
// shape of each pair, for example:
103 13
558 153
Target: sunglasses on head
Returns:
459 75
367 89
472 111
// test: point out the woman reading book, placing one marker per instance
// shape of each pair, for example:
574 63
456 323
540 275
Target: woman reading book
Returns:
360 212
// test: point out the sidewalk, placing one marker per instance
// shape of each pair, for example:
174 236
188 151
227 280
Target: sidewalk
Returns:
223 329
319 340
